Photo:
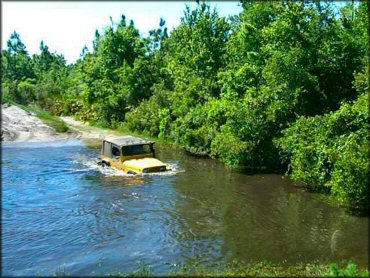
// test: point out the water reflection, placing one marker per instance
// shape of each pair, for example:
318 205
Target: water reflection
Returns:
58 211
265 217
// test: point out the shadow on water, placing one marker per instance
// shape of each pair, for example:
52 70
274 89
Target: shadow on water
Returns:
358 211
96 221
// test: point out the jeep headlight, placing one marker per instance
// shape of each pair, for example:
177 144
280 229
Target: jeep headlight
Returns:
146 170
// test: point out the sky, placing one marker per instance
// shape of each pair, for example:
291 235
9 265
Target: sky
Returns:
66 27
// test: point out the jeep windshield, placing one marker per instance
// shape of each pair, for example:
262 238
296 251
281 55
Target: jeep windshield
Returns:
136 149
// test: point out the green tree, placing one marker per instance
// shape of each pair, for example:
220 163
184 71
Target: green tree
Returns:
330 152
16 68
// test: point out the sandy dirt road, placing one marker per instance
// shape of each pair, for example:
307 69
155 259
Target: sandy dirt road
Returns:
90 134
20 125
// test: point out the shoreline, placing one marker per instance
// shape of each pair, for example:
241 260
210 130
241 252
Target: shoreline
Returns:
19 125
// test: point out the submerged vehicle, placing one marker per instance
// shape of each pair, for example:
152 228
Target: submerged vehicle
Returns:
131 154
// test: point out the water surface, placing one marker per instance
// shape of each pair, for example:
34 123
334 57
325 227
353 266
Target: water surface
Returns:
61 210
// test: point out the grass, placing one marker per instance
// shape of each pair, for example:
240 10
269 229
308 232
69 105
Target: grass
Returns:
53 121
260 269
265 269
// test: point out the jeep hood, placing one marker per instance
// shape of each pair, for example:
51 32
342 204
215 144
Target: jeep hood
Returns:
143 163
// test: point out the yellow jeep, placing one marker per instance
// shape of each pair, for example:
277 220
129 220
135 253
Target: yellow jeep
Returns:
132 155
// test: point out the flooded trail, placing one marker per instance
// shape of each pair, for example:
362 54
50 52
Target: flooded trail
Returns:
61 210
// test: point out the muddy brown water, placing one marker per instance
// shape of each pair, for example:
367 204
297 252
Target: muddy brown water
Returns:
60 211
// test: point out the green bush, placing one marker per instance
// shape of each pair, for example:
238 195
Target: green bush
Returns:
350 270
254 90
331 152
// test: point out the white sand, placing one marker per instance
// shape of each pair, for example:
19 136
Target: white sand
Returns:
88 132
20 125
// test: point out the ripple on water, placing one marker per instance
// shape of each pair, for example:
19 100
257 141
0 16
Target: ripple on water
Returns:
61 208
92 163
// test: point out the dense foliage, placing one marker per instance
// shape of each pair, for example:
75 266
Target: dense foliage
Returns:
235 268
331 151
282 84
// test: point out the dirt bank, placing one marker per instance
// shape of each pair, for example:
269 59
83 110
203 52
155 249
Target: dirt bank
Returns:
85 131
91 135
20 125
